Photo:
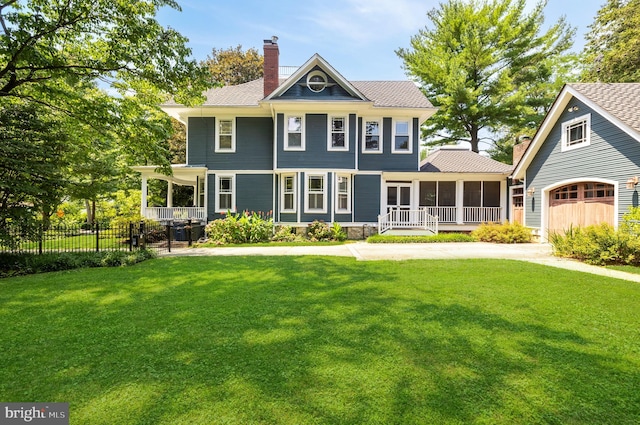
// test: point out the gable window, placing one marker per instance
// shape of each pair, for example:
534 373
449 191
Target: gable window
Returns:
402 137
315 199
343 194
576 133
372 136
225 194
338 134
225 136
295 133
289 193
316 81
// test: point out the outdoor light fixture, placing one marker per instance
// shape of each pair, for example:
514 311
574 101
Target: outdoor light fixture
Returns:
632 182
531 191
573 109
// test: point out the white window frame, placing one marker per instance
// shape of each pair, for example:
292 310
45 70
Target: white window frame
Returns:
219 121
330 146
233 192
283 179
364 135
409 134
338 210
286 132
584 120
307 192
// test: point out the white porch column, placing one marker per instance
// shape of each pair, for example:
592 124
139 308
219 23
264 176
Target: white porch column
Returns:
460 202
206 197
505 200
169 194
143 197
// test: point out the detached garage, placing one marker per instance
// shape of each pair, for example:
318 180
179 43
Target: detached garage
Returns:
575 170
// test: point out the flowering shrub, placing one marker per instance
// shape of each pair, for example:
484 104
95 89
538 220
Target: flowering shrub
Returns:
321 231
286 234
248 227
502 233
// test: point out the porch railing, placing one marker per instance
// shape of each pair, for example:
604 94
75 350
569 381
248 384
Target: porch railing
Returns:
482 214
407 219
444 214
175 213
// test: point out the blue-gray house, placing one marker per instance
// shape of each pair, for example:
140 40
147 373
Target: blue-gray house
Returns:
583 164
315 146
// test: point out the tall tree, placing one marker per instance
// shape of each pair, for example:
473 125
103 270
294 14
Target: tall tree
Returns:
613 43
478 61
233 66
52 54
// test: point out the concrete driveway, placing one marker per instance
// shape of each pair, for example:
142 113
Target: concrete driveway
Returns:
535 253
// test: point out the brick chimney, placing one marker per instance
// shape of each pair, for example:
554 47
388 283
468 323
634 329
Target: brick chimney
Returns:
519 148
271 65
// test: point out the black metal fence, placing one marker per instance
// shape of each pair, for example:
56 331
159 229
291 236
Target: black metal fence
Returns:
131 236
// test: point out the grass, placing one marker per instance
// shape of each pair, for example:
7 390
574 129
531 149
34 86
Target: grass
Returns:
272 243
77 242
441 237
317 340
625 268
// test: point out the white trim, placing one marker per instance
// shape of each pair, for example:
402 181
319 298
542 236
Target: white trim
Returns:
345 128
380 135
233 192
269 172
336 186
394 123
283 177
307 177
217 148
544 213
585 121
285 142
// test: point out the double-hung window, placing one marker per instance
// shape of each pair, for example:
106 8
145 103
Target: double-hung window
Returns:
294 137
343 194
338 134
315 196
372 136
402 137
225 194
225 135
576 133
289 193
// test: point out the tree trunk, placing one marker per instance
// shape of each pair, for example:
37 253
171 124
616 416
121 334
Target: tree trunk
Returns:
474 139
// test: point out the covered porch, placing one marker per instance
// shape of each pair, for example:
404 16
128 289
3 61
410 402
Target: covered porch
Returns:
183 175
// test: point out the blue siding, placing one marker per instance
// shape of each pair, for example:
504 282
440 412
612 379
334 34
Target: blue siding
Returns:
612 154
315 154
254 192
332 92
254 147
366 198
201 140
387 161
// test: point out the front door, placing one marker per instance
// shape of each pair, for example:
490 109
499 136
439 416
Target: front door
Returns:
398 196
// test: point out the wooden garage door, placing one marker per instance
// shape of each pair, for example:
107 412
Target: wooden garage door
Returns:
580 204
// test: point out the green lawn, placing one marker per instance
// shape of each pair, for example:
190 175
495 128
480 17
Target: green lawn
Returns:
315 340
82 242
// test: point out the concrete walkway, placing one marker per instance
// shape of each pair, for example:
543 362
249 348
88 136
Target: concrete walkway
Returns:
535 253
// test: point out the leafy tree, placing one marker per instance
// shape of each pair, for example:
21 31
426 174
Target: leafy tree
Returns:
64 128
613 43
478 63
233 66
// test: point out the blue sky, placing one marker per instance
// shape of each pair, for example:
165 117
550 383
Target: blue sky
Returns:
357 37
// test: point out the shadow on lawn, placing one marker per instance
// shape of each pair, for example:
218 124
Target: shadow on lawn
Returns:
293 340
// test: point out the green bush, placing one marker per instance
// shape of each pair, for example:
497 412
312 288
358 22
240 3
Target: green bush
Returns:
321 231
502 233
240 228
286 234
598 244
441 237
22 264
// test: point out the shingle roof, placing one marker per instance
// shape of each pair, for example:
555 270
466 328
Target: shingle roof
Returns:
398 94
461 161
621 100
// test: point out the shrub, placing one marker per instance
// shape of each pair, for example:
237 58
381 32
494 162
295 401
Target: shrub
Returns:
441 237
502 233
286 234
240 228
599 244
21 264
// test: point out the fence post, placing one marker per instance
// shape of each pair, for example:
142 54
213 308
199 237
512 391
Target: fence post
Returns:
142 241
40 237
130 237
168 231
97 237
189 233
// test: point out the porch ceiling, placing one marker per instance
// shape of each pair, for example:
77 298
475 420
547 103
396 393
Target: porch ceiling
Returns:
182 175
